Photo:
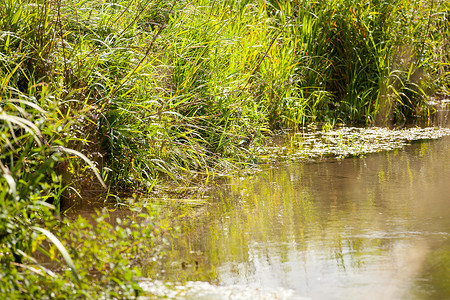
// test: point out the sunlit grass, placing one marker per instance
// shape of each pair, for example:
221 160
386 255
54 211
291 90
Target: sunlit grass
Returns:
147 91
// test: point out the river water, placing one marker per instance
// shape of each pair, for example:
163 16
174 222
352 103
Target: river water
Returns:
359 228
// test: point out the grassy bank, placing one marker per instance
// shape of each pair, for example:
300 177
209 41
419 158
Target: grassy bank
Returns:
100 96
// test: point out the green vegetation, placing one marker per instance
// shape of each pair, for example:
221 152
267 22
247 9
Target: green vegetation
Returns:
344 142
140 91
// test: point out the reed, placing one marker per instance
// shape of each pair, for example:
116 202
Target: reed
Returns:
161 89
146 91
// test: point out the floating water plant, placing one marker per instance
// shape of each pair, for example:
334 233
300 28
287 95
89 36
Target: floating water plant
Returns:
347 142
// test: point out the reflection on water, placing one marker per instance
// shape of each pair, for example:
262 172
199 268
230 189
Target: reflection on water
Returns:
360 228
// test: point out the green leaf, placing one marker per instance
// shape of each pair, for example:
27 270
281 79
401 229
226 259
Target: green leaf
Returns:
83 157
62 250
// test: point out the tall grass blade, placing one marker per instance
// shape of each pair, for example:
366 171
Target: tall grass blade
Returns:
83 157
62 250
9 179
25 124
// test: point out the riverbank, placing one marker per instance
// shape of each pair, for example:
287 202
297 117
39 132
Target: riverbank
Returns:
116 98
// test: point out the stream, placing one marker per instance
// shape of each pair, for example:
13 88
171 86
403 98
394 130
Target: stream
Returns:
375 227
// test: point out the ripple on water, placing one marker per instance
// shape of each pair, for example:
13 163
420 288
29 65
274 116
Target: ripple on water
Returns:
202 290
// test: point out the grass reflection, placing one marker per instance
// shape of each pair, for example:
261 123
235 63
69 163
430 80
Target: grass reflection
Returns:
434 280
322 225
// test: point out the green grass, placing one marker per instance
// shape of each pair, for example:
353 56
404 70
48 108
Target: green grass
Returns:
165 89
138 92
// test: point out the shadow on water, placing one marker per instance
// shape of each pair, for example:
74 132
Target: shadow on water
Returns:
359 228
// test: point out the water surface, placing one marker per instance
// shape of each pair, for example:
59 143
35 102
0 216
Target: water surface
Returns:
359 228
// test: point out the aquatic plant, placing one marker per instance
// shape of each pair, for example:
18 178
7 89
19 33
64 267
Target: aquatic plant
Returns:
147 91
345 142
167 89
